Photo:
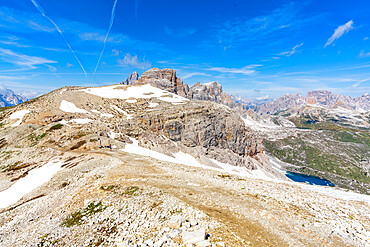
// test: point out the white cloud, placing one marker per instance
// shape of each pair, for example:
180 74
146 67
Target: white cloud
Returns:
115 52
357 84
133 61
291 52
366 38
179 33
95 36
69 65
188 75
364 54
30 94
339 32
23 60
247 70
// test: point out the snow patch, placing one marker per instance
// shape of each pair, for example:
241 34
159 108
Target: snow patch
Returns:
77 121
128 116
70 107
25 185
18 115
108 115
152 105
131 101
137 92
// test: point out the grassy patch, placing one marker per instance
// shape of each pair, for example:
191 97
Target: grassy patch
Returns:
56 127
130 191
76 217
109 187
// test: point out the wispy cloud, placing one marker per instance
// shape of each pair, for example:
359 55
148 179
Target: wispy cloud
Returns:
179 33
106 36
133 61
261 28
247 70
189 75
22 21
115 52
339 31
291 52
364 54
40 9
357 84
12 40
25 61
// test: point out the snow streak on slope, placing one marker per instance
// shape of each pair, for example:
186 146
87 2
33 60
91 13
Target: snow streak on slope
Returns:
128 116
18 115
34 179
189 160
137 92
70 107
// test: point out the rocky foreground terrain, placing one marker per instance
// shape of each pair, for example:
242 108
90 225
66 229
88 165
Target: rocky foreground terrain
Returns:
136 165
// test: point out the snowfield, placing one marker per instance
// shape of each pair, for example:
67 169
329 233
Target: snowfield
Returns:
137 92
34 179
189 160
18 115
70 107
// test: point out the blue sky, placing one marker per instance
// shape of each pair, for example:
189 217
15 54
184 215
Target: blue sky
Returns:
253 48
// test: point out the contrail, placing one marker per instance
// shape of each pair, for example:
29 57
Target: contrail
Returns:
41 10
106 36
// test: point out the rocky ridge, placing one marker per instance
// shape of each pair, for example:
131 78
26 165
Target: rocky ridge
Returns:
9 98
318 97
166 79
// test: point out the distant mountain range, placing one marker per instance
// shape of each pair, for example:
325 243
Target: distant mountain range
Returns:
9 98
318 98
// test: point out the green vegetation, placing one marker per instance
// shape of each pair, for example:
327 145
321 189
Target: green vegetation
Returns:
35 138
56 127
130 191
76 217
339 153
110 187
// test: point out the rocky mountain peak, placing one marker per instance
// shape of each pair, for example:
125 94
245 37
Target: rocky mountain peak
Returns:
165 79
131 79
9 98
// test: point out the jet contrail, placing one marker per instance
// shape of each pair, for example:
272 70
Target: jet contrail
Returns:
41 10
106 36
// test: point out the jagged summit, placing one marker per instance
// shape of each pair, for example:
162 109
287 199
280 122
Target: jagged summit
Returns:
9 98
166 79
131 79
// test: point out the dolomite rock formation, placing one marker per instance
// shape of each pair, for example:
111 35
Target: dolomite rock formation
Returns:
131 79
165 79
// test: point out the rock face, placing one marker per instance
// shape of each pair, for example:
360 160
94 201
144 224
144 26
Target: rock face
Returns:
165 79
9 98
318 97
131 79
209 126
211 91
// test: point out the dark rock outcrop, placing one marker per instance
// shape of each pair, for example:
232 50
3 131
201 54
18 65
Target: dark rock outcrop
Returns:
131 79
